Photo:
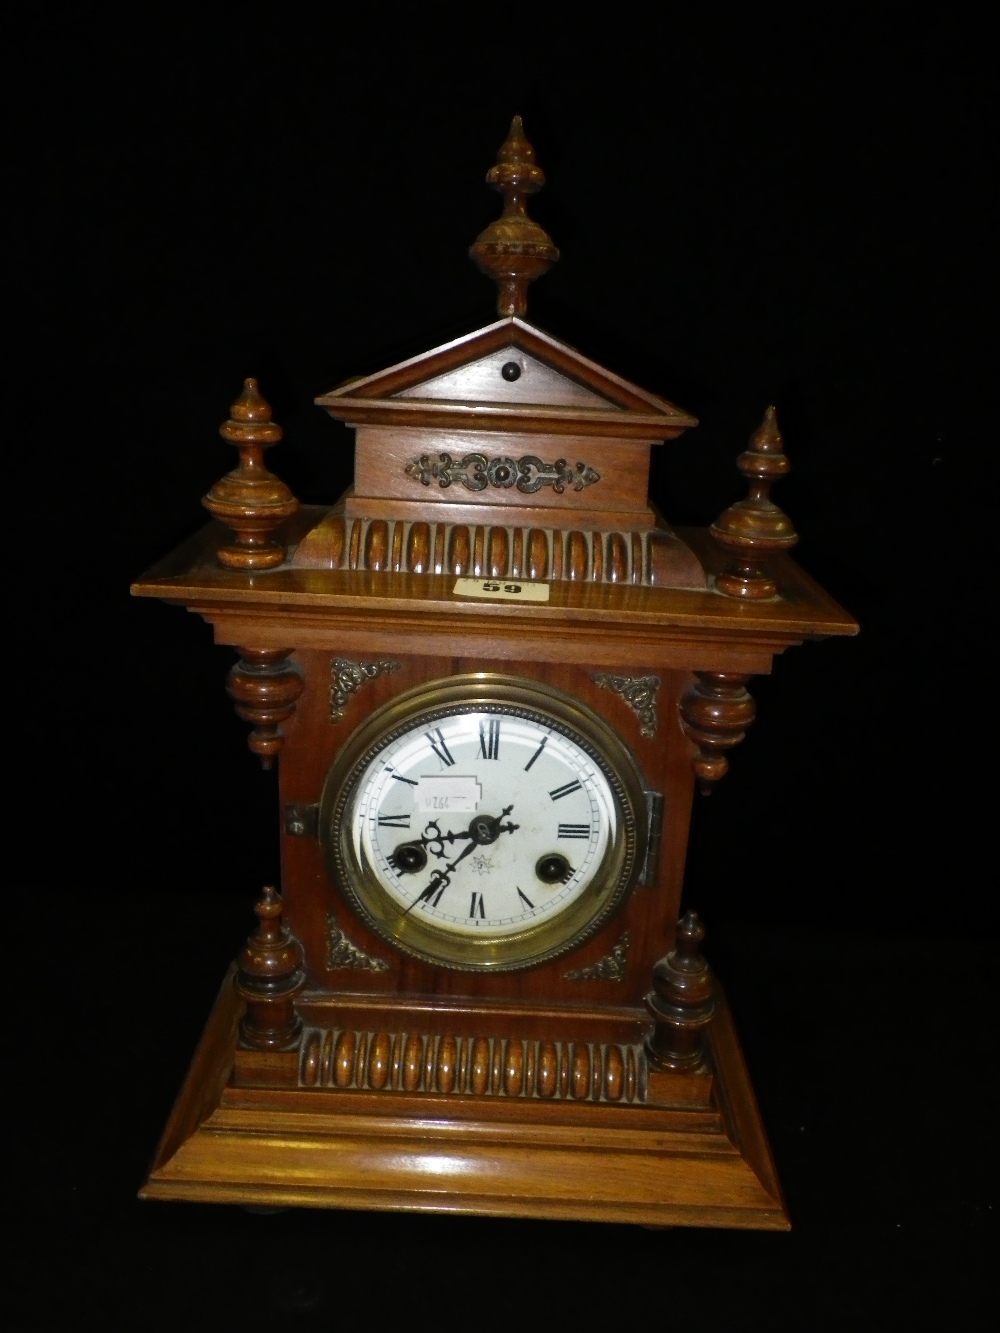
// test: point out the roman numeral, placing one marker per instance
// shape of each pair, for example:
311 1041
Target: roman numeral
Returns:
394 821
537 753
489 739
574 830
525 899
478 907
560 792
437 897
436 741
399 778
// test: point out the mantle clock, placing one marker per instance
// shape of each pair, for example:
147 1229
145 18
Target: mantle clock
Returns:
493 678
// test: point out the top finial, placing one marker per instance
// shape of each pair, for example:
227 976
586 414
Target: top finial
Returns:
514 250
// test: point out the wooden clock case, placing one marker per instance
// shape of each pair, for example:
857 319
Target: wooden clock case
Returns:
608 1082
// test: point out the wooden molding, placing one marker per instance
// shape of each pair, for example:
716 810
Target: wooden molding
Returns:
393 395
685 1165
457 1065
651 559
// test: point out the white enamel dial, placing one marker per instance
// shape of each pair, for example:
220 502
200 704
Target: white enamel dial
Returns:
483 824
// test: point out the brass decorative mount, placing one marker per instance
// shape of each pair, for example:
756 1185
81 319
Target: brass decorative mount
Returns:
609 967
346 678
639 692
342 952
476 472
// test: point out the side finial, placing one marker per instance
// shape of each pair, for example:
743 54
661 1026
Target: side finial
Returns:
514 250
268 977
682 1001
754 528
250 499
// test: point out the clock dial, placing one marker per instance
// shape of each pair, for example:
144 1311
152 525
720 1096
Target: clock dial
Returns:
484 824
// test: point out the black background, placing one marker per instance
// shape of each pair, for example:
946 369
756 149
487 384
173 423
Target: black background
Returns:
749 211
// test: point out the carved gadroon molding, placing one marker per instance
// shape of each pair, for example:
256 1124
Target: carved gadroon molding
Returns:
475 472
416 1062
639 692
648 558
342 953
610 967
346 678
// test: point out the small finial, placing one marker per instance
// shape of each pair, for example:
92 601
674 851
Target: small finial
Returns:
682 1001
754 528
268 977
514 250
250 499
690 936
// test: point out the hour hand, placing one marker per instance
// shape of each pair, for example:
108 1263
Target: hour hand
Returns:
440 879
434 840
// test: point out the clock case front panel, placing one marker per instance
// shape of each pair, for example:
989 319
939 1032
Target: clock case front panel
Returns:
640 930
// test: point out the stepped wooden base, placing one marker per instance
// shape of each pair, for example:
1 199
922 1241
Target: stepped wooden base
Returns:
333 1149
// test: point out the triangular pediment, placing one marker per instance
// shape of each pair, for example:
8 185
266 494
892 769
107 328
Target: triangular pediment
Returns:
508 374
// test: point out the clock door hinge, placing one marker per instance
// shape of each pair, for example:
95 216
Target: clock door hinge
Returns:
302 821
650 872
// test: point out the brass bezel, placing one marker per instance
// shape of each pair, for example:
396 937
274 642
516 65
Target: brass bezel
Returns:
486 692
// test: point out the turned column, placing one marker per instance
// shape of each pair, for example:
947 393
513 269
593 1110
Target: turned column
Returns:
268 977
715 713
265 688
682 1000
